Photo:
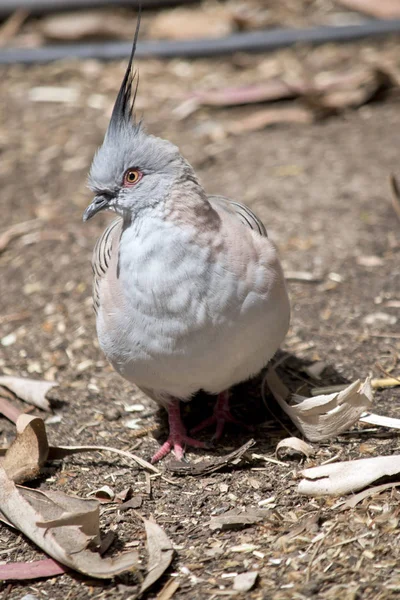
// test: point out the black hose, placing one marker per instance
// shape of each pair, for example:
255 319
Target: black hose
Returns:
254 41
7 7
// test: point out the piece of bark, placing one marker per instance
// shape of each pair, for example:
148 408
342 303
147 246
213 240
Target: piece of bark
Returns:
237 520
209 466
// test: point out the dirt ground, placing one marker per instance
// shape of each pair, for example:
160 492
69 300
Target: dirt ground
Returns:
323 193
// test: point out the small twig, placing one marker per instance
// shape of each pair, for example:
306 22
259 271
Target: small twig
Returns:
395 195
328 389
12 25
145 431
385 372
302 277
8 410
17 230
21 316
385 383
58 452
316 550
354 500
350 540
274 461
332 459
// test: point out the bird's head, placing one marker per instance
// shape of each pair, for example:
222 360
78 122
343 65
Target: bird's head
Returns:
131 169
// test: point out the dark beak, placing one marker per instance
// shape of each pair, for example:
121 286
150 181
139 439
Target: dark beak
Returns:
99 203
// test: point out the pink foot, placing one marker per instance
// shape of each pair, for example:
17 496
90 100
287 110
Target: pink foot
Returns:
221 415
177 435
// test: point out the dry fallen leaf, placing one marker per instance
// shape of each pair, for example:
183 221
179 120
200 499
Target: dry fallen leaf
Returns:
237 520
270 116
31 391
22 571
160 552
182 24
380 420
134 503
83 25
384 9
272 89
325 416
28 453
354 500
293 447
340 478
103 494
8 410
63 526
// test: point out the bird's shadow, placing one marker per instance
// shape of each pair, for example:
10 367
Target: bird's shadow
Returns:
261 415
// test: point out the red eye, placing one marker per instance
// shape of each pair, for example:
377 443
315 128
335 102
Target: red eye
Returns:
132 176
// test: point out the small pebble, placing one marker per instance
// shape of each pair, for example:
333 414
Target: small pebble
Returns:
112 414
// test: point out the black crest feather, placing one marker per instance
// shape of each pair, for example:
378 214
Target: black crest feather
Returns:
122 113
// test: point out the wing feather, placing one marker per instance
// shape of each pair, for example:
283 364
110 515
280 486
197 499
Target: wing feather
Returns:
101 259
241 211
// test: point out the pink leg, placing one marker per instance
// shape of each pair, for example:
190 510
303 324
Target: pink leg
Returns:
177 435
221 415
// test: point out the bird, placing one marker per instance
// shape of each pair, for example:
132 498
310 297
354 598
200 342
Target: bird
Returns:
188 289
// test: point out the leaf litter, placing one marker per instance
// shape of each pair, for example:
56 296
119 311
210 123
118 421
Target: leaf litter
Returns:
325 416
66 527
63 526
31 391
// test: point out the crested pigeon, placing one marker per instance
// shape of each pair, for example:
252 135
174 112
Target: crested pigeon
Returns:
188 290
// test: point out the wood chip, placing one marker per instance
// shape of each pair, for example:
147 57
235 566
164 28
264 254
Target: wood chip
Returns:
168 590
234 519
245 581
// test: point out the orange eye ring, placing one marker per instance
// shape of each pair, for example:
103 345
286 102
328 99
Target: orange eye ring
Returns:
132 177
